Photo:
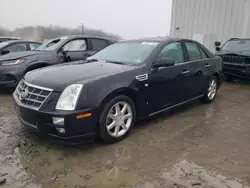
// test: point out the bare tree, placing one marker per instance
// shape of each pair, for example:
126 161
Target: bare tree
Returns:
41 32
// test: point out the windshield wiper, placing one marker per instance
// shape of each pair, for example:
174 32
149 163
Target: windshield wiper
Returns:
115 62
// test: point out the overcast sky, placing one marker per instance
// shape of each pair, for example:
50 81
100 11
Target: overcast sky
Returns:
127 18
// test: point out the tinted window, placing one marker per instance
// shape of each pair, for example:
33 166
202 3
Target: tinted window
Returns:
17 47
98 44
203 54
173 51
75 45
193 51
33 46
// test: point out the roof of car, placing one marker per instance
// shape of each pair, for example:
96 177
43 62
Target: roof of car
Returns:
84 36
154 39
21 41
6 37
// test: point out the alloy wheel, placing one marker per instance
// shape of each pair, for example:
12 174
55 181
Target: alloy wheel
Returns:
212 89
119 119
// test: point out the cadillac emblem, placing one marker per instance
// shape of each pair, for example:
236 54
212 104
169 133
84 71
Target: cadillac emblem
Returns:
23 94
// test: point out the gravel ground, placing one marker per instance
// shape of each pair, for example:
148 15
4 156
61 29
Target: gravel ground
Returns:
197 145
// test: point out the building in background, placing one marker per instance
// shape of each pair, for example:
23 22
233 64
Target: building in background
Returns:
208 21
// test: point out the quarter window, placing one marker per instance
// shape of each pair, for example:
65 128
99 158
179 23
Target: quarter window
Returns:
98 44
193 51
173 51
75 45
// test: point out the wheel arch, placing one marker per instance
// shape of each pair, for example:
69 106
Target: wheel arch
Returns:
129 92
37 65
217 75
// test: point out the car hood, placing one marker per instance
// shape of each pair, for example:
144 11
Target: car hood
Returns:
18 55
241 53
58 77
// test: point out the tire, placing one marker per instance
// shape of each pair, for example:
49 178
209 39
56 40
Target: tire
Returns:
213 87
112 116
228 78
68 59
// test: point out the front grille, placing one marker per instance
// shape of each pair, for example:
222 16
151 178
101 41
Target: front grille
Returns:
236 59
31 96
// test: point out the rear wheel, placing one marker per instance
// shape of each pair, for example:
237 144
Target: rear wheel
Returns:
211 92
117 119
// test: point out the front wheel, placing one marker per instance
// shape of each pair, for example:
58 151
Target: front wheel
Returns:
211 92
117 119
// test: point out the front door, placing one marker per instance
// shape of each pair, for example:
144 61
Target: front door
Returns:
75 50
166 86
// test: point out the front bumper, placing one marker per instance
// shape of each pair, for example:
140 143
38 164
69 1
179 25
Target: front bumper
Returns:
237 70
11 75
41 122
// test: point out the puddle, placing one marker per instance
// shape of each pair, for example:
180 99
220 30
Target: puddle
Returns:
189 175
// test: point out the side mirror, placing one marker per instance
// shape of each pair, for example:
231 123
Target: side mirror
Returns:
166 62
217 48
5 52
217 43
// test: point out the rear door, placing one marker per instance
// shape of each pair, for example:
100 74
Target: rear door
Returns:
199 69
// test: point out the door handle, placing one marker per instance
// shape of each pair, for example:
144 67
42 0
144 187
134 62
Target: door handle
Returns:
207 65
185 72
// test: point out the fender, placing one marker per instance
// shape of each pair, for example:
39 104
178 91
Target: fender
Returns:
37 64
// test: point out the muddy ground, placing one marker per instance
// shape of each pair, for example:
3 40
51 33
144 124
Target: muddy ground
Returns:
194 146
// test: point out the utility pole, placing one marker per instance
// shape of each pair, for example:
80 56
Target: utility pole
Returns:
82 29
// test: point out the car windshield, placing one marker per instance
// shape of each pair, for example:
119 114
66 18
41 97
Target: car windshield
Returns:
126 52
237 45
2 44
51 45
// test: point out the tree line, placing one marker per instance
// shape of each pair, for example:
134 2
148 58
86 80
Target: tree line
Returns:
41 33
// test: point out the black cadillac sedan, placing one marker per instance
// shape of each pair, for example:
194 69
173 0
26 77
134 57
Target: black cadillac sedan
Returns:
106 93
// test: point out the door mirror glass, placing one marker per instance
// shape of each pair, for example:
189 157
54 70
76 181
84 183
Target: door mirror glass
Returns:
217 43
5 52
217 48
165 62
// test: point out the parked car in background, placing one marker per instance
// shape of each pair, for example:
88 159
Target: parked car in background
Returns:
236 58
17 46
105 94
13 66
5 38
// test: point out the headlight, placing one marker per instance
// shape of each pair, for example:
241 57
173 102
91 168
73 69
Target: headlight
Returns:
69 97
12 62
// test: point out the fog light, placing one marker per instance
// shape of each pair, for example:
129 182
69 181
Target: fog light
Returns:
58 120
60 130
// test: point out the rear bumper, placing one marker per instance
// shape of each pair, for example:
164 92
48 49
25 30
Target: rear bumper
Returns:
240 70
42 123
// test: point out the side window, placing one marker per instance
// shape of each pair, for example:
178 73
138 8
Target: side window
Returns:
174 51
17 47
98 44
203 54
75 45
33 46
193 51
